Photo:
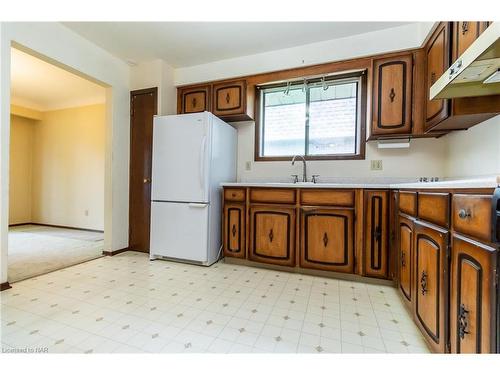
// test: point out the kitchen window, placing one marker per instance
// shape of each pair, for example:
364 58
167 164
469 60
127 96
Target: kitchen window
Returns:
321 118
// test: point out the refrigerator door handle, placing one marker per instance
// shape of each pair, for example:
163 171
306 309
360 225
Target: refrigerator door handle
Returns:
201 170
197 205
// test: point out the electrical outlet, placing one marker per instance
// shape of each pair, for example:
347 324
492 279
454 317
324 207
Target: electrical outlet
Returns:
248 166
86 212
376 165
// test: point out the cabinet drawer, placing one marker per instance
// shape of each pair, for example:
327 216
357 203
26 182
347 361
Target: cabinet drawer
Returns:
273 196
471 215
341 198
408 202
237 195
434 207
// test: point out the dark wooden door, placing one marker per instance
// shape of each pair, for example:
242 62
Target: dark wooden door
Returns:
376 254
438 60
327 239
392 99
143 106
272 235
431 283
406 242
234 230
472 299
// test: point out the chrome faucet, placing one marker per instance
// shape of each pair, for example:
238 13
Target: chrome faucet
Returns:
304 174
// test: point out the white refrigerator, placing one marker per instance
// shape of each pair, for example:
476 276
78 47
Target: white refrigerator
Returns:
192 155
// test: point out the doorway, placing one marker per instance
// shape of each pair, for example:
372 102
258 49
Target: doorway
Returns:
143 106
57 166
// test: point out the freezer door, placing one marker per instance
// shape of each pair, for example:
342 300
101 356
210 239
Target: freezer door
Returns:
181 150
180 230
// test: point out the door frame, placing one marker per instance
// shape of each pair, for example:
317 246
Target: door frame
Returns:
154 91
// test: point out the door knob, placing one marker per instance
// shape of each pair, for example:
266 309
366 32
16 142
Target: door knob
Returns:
147 180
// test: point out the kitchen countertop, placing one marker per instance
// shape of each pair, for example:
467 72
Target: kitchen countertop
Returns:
483 182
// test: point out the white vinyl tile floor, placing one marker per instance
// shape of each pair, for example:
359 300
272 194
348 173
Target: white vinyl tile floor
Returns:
129 304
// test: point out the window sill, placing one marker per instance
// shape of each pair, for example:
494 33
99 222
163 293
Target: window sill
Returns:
316 157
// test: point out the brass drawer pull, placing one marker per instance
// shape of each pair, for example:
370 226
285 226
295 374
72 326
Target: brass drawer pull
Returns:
325 239
234 230
464 214
271 235
403 259
392 95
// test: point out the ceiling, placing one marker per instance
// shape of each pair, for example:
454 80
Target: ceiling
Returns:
39 85
183 44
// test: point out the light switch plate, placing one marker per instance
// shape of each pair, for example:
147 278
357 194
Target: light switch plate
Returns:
248 166
376 165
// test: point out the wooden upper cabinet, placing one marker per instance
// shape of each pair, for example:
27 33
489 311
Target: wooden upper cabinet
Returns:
376 253
229 98
193 99
464 34
446 43
327 237
472 297
392 95
438 60
431 283
272 235
234 230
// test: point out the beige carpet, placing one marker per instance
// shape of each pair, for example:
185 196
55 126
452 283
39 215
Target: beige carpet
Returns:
36 249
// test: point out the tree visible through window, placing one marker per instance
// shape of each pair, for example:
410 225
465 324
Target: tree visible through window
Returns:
316 118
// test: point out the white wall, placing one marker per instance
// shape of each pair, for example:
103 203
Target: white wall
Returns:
393 39
474 152
56 42
158 74
426 157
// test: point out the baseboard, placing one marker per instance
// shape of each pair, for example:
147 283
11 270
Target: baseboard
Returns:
58 226
4 286
19 224
114 252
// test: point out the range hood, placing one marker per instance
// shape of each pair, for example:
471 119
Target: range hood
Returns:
476 72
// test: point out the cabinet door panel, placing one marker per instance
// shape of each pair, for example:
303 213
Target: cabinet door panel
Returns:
406 234
392 101
272 235
234 230
194 99
430 283
327 239
437 52
472 307
229 98
464 34
376 257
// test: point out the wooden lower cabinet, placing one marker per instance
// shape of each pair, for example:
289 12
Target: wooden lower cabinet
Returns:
376 249
327 239
472 297
431 283
405 257
272 235
234 230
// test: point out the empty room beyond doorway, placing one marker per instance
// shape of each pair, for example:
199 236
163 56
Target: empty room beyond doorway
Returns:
57 162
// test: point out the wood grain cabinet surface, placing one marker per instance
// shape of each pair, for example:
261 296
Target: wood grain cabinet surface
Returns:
376 230
472 297
234 230
327 239
392 95
194 99
406 238
430 284
272 235
448 40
